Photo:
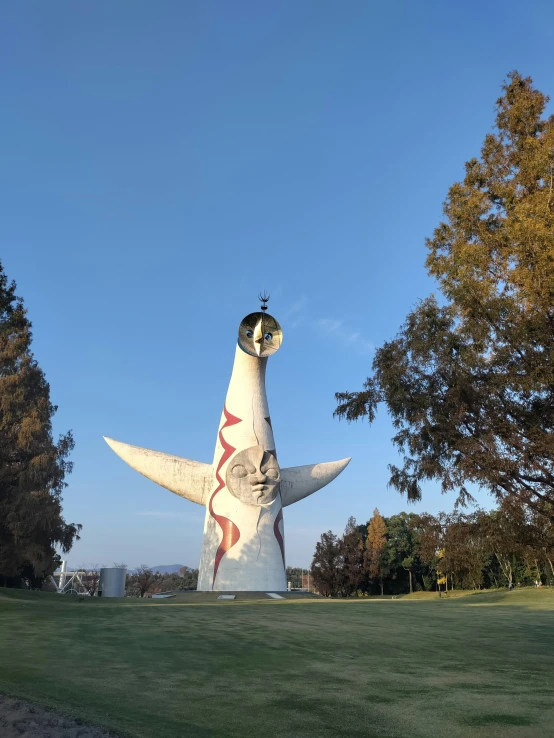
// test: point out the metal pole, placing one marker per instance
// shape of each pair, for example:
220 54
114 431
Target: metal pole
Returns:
62 577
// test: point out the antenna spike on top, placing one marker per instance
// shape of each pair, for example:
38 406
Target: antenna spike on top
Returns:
264 298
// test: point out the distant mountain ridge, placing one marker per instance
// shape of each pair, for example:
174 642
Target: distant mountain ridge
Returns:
167 568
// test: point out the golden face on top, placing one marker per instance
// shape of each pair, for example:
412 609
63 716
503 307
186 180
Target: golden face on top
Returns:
260 335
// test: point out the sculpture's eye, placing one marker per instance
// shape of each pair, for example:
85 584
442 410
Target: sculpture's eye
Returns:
239 471
272 473
268 336
249 333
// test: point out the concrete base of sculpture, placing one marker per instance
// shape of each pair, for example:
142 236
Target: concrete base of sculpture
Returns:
193 596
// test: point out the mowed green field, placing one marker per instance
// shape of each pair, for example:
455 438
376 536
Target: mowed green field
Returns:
480 665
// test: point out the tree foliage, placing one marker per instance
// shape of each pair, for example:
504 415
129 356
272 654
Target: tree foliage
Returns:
143 582
375 560
32 465
139 583
188 578
91 578
295 576
403 545
352 552
327 565
338 563
469 380
408 552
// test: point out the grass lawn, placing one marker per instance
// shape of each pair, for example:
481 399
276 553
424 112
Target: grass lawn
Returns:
481 665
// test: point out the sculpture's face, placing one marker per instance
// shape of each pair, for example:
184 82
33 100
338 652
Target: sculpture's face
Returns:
253 476
260 335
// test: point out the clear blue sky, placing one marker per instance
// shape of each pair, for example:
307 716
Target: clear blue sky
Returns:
164 161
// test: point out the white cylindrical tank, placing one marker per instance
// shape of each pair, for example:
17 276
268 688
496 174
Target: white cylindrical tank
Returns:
112 582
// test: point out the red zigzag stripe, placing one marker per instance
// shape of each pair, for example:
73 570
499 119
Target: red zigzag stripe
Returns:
278 535
231 533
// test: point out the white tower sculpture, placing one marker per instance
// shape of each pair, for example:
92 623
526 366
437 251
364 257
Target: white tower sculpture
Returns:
245 490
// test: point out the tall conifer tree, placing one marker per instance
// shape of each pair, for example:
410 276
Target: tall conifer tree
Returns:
352 550
469 379
32 465
375 544
326 566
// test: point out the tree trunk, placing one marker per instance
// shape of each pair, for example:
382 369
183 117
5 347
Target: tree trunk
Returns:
410 573
381 583
446 582
505 566
538 571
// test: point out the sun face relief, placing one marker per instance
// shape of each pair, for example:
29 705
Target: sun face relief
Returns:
260 335
253 477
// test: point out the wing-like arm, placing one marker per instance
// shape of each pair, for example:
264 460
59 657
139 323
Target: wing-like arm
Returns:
298 482
189 479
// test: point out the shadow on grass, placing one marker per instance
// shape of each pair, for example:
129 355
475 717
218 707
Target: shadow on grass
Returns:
477 721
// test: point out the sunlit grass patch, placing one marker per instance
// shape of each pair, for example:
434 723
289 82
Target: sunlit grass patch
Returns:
407 667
